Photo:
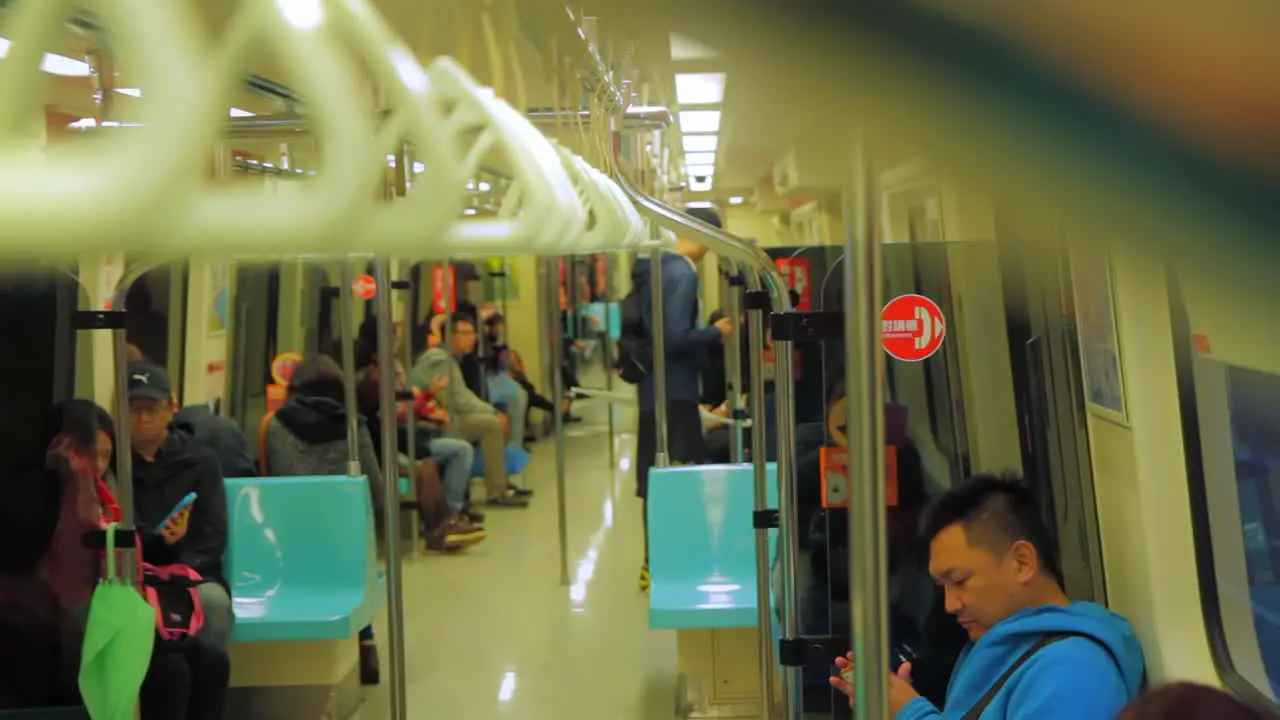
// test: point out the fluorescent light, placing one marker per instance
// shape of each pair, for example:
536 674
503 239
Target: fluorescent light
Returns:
65 66
701 170
484 186
699 143
468 211
737 200
686 48
237 112
55 64
704 186
699 121
699 204
419 168
706 158
131 92
699 88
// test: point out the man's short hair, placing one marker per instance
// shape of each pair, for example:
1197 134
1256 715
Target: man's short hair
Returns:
461 317
706 215
995 511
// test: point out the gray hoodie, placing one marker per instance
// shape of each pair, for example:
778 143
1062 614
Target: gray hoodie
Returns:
458 398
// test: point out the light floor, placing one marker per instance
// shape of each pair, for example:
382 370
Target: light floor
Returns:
494 633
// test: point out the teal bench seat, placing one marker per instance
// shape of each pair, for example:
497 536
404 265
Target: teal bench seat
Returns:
301 559
702 547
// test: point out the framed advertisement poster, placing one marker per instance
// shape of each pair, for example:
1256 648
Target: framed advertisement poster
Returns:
1094 299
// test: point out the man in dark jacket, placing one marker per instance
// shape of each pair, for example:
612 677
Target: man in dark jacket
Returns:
168 465
686 345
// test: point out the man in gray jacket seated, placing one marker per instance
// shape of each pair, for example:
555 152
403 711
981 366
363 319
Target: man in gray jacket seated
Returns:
471 418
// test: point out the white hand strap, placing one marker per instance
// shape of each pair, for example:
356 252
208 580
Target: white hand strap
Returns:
115 190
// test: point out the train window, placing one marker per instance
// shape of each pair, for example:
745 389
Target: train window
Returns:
1239 412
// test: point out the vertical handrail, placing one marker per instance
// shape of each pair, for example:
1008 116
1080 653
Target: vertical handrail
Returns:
346 325
557 392
731 299
864 370
759 458
607 362
391 482
766 277
124 438
657 332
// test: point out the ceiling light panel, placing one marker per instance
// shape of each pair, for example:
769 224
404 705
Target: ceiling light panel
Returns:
699 88
699 143
703 158
701 170
695 186
699 121
698 204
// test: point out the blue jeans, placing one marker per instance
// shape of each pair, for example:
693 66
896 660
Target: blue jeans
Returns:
455 458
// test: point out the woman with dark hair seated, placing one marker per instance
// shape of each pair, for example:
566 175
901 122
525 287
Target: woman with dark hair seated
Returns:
1192 701
46 586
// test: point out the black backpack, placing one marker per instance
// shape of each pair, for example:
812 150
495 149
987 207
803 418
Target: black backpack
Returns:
635 347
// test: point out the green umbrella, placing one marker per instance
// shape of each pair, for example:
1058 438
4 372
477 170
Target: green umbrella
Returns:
118 640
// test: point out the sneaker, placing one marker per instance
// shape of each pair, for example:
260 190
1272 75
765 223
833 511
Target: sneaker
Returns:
644 578
473 516
519 491
509 499
453 535
370 670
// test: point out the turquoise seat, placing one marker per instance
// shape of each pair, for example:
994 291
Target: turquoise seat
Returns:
702 547
301 558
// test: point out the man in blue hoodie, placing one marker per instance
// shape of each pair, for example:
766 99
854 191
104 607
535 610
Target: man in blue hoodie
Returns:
686 345
1032 653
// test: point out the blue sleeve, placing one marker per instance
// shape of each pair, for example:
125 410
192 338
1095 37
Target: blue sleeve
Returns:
1076 680
918 709
682 337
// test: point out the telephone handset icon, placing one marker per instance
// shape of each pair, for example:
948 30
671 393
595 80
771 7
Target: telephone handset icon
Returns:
924 321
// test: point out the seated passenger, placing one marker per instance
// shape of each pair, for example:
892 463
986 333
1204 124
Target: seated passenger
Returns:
473 419
221 435
1191 701
184 680
308 436
168 464
1032 653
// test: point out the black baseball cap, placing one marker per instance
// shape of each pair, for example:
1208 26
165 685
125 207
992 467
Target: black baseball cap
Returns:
149 380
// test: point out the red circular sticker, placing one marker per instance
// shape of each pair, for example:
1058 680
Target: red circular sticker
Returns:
913 328
282 367
364 287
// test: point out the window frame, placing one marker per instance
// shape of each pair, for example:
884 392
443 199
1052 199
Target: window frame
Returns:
1198 494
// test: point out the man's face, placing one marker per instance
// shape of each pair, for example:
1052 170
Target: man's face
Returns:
981 587
463 338
149 419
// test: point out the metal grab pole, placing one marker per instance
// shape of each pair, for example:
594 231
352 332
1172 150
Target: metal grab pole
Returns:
557 392
864 369
608 364
346 328
658 336
391 480
770 279
759 463
733 357
789 529
123 438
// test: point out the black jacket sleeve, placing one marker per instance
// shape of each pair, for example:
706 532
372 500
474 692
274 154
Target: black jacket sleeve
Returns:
206 540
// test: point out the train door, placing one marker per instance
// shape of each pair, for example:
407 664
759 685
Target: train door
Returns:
256 309
1036 270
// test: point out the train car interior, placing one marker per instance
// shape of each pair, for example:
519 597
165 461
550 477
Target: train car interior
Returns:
924 242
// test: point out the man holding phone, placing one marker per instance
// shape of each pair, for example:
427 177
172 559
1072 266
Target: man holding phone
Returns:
179 499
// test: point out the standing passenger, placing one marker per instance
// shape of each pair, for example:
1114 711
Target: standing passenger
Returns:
686 345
